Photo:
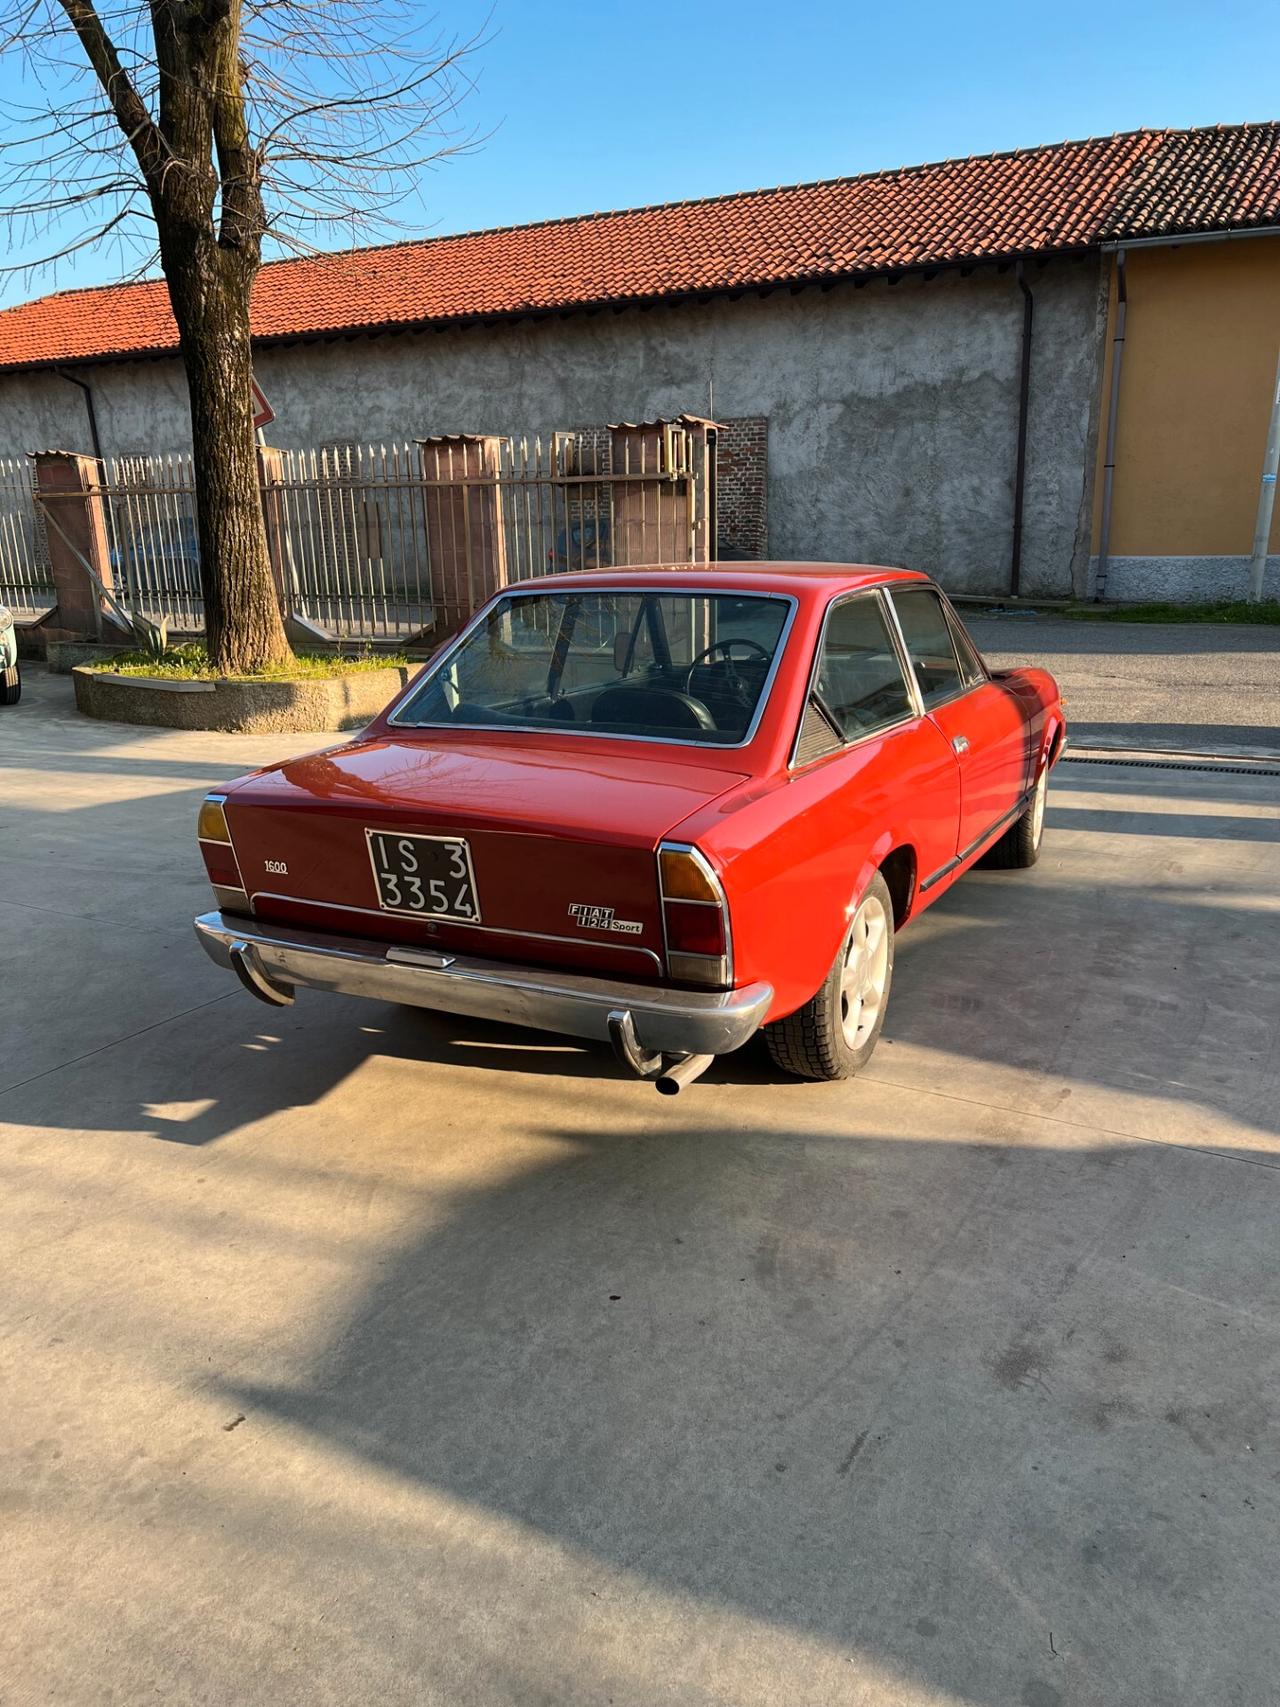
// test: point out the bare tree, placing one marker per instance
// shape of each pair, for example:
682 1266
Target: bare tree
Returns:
209 128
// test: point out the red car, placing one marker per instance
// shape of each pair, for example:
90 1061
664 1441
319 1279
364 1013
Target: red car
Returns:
669 807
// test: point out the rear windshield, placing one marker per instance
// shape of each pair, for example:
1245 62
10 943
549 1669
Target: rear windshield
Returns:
671 666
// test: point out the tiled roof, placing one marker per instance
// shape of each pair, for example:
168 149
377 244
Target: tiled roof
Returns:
1062 197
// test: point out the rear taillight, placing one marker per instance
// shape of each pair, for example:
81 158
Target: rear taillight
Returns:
695 918
219 856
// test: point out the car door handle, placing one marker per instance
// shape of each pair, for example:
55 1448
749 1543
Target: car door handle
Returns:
960 743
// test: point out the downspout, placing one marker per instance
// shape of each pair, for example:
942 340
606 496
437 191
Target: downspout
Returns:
89 409
1113 409
1020 464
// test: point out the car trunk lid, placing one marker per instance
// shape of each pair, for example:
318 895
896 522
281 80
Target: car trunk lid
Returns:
561 834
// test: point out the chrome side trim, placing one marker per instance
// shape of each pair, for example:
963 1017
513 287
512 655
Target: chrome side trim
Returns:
991 830
458 924
665 1021
791 599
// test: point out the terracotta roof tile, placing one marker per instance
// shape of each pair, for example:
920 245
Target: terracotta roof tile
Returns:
1065 196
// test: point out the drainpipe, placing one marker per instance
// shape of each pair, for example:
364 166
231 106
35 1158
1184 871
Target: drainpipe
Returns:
1020 464
1266 498
1113 409
89 409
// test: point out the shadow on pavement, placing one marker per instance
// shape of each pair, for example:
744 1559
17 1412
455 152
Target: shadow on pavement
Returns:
903 1395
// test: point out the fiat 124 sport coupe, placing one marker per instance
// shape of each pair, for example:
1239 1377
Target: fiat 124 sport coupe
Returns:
668 807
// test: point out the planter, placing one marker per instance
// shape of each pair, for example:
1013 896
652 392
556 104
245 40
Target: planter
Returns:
279 706
62 656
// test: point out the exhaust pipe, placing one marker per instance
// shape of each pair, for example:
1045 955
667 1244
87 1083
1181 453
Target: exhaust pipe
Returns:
682 1071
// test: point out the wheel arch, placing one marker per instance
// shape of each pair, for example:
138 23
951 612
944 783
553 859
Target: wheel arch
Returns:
899 870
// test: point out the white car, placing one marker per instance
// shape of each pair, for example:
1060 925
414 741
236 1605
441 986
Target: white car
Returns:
10 675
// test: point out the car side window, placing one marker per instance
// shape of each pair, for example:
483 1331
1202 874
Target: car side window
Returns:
927 634
971 666
859 680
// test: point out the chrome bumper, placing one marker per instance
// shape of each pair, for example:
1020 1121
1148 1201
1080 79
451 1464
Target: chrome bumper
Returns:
270 959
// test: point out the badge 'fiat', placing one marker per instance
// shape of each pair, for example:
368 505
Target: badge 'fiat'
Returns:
667 807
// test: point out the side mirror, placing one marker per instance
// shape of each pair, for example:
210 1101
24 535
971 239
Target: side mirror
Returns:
621 651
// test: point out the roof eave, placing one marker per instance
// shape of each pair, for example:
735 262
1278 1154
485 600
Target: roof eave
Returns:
595 305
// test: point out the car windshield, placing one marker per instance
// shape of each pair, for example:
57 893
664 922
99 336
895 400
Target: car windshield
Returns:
670 666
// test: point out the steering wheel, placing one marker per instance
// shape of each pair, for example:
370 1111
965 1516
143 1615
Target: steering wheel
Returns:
732 679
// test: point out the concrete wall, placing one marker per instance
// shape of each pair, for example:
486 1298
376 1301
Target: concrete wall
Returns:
891 410
1195 397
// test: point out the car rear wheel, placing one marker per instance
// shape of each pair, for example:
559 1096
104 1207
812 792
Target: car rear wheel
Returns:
10 685
834 1034
1020 845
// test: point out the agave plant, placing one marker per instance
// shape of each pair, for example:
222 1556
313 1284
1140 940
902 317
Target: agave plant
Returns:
152 637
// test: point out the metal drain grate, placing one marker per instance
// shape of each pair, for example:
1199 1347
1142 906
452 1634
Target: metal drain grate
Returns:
1223 769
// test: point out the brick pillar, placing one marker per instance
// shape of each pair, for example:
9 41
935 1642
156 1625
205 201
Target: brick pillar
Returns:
70 492
665 516
466 542
270 478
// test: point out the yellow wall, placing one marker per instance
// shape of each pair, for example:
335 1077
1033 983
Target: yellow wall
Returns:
1201 343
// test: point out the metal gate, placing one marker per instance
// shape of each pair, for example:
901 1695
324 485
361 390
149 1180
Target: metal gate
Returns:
26 580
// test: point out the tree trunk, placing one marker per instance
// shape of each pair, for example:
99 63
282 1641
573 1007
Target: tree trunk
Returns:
243 629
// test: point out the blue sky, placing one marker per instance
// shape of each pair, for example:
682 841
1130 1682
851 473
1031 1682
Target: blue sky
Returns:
601 106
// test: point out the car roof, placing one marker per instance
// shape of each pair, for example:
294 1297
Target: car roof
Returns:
756 577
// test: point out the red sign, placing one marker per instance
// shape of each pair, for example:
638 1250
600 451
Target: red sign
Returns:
263 413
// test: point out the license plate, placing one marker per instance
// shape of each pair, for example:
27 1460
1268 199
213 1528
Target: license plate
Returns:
426 875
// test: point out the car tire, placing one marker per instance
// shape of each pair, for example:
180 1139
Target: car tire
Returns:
1020 845
10 685
835 1033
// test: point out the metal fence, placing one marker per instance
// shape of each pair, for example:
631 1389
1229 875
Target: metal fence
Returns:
150 515
387 541
26 583
353 537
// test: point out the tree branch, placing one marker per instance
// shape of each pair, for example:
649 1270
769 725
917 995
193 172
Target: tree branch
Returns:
126 103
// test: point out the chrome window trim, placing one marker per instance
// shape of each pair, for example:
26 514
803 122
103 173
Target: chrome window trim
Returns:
965 687
431 669
890 618
960 632
458 924
664 901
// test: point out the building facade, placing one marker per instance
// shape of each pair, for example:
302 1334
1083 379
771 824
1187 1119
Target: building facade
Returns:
914 367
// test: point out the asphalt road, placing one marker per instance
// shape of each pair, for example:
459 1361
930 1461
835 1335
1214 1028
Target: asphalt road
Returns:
354 1355
1187 687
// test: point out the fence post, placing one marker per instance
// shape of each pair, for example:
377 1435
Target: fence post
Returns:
270 484
69 491
466 541
666 515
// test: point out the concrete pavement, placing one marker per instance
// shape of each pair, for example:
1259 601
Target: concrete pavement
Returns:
351 1354
1186 687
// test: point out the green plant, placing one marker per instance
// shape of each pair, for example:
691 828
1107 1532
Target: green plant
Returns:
1217 610
152 637
190 662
